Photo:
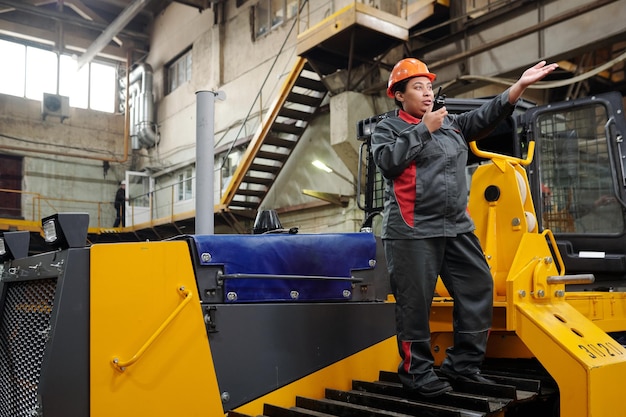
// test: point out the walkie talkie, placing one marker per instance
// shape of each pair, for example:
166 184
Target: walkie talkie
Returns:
440 100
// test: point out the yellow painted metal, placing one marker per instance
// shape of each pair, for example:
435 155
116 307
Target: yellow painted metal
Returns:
355 14
139 310
364 365
584 360
606 309
587 364
501 224
501 344
533 263
566 332
333 198
121 365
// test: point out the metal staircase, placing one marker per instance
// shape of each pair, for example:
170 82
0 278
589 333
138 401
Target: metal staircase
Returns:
287 119
354 36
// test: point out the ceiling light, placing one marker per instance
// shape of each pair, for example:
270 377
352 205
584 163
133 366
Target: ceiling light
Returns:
320 165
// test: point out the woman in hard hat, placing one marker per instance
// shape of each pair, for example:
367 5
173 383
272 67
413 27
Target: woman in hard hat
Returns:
427 231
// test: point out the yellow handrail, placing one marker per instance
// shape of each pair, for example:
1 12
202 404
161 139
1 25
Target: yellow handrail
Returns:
511 159
121 365
557 253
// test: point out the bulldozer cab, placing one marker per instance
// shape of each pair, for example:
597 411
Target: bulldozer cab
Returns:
577 180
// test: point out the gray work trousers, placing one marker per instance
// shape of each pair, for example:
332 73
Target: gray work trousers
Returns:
414 265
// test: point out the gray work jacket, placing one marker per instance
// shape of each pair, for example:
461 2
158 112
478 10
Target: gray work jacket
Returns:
426 188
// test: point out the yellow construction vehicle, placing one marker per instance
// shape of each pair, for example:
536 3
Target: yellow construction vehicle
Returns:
290 324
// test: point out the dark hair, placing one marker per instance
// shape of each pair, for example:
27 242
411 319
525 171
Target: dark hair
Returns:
399 86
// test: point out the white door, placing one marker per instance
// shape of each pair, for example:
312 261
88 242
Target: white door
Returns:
139 198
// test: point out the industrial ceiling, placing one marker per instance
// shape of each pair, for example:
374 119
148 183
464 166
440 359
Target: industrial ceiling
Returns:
119 30
110 28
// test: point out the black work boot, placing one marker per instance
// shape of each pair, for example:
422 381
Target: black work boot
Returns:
471 377
432 389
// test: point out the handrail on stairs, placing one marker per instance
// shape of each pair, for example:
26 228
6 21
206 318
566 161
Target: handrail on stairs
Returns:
261 134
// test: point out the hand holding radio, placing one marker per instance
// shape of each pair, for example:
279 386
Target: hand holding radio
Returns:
440 100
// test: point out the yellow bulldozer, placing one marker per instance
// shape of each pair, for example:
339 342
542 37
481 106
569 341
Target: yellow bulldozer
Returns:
290 324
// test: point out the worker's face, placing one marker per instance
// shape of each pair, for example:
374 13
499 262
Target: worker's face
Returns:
417 98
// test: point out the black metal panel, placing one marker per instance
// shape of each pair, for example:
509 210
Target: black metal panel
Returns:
24 330
394 404
258 348
44 335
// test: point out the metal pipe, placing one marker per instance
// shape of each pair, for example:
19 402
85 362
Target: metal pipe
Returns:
143 131
452 59
205 160
571 279
114 28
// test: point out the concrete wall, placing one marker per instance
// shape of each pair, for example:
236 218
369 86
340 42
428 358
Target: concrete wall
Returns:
250 73
64 160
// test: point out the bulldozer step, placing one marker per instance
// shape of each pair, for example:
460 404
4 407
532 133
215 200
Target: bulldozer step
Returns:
511 395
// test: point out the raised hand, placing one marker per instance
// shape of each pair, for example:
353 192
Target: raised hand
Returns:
536 73
530 76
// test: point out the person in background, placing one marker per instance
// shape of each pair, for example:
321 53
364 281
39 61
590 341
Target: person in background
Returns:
120 205
427 231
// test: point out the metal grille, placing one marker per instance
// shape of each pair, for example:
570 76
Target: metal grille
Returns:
374 197
375 186
24 331
575 172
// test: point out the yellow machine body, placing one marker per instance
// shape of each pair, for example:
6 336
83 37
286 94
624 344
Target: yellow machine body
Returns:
533 314
150 352
167 336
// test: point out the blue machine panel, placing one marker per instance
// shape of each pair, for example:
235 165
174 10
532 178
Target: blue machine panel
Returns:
287 267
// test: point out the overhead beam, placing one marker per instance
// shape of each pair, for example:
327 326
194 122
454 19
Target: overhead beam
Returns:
454 58
76 40
57 16
86 13
114 28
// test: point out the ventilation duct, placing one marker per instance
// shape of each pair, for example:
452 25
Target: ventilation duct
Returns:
141 107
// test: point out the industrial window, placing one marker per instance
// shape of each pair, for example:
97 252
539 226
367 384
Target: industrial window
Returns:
35 71
229 162
179 71
270 14
185 185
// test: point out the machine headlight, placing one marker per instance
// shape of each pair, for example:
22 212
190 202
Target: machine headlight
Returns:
66 230
49 231
14 245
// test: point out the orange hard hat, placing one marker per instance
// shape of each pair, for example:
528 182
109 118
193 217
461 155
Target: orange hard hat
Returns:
408 68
